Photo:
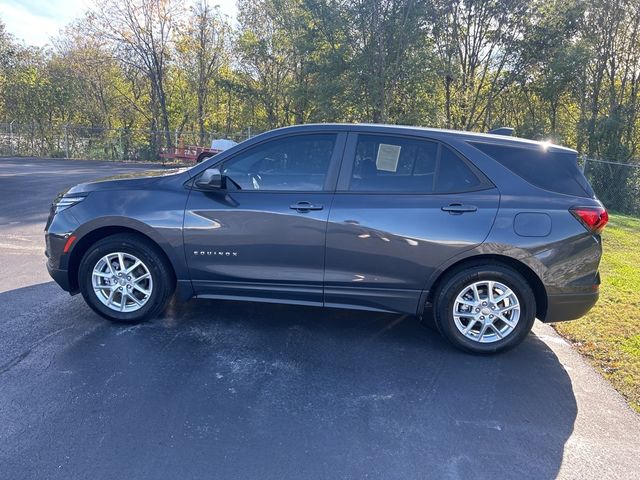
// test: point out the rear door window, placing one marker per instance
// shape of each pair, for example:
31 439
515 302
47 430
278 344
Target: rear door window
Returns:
407 165
554 171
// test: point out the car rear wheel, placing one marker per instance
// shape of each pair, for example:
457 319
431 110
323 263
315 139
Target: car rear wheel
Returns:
485 308
124 278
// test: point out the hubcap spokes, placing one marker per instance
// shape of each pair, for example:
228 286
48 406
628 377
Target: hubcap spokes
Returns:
486 311
122 282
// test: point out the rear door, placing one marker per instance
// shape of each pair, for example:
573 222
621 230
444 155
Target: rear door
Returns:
264 236
403 206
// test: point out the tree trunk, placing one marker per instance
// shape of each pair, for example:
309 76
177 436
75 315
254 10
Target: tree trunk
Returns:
447 99
201 132
165 114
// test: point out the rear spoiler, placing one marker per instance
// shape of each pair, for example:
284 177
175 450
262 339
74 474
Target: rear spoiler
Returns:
507 131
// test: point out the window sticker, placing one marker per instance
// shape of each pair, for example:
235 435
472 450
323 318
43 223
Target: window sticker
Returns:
387 159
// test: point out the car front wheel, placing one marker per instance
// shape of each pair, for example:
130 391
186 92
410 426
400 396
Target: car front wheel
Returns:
123 278
485 308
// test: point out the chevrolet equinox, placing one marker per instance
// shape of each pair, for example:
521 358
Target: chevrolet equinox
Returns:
478 234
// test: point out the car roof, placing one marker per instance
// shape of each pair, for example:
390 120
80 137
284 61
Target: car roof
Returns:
435 133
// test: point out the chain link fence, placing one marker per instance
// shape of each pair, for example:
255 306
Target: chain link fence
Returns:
79 142
616 184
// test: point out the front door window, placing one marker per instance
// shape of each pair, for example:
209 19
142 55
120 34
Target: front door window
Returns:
294 164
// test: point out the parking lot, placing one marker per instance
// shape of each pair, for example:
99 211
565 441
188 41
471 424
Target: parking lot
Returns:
240 390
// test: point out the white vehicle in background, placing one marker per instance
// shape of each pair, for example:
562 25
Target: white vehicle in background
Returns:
217 145
222 144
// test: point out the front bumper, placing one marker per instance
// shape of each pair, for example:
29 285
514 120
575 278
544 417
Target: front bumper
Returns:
57 231
61 277
569 306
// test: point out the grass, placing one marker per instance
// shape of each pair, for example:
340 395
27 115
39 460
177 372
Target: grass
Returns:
609 335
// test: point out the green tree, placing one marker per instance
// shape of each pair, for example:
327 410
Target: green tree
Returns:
203 49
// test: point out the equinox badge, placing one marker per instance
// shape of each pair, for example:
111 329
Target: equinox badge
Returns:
210 253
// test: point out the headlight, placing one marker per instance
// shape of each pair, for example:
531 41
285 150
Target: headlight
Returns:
66 201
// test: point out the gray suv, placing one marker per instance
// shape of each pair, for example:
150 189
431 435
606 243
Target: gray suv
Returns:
477 234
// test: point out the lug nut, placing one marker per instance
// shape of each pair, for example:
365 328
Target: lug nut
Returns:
490 316
484 304
481 317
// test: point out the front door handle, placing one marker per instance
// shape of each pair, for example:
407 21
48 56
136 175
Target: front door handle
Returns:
305 206
458 208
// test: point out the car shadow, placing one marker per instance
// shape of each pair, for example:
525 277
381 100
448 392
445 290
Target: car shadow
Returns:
245 390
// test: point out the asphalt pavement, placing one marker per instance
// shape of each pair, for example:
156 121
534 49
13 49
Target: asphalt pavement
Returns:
231 390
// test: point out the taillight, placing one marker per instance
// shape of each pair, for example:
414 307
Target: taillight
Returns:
593 218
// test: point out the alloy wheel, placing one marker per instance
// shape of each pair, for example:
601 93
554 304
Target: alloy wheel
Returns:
486 311
122 282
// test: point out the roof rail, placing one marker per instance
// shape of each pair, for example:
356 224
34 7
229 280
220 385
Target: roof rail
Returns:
508 131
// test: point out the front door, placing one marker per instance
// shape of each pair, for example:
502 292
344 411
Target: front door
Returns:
263 237
403 207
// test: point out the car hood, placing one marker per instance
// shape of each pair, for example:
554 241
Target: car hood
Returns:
129 180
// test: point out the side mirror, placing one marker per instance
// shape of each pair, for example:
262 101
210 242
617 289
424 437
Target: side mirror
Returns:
210 179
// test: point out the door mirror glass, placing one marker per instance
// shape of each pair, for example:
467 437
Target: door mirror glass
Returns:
210 179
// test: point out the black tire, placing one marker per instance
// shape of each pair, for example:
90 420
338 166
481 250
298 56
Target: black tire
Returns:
454 283
159 269
203 156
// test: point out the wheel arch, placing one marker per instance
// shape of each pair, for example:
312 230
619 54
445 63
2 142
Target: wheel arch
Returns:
83 244
532 278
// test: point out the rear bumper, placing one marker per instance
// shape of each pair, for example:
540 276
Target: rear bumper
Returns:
569 306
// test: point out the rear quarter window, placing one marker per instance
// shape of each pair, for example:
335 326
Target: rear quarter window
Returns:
554 171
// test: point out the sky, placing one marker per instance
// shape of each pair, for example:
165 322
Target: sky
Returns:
36 21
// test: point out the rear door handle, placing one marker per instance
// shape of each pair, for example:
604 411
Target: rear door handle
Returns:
305 206
458 208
